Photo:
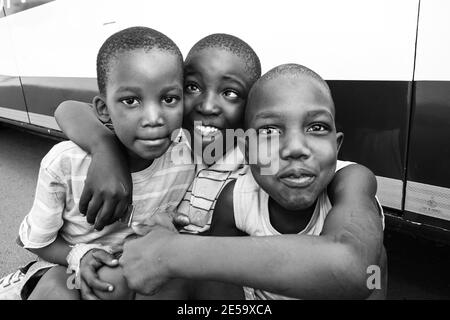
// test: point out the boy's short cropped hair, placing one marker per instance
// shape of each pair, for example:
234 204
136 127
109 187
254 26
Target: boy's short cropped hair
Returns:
234 45
292 70
127 40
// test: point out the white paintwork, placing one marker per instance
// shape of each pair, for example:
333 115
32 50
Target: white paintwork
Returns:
43 121
433 41
389 192
13 114
346 39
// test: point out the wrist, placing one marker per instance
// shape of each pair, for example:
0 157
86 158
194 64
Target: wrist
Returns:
76 255
106 142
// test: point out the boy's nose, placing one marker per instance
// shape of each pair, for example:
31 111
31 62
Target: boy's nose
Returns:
153 116
295 147
208 105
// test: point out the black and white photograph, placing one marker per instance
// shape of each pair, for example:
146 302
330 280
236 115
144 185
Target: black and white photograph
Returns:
236 151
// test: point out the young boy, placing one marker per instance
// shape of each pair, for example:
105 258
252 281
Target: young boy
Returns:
140 74
324 252
219 72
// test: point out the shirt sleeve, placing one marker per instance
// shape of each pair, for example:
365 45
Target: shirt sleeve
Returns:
40 227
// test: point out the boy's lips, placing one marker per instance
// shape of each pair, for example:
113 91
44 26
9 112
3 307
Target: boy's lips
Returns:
153 142
297 177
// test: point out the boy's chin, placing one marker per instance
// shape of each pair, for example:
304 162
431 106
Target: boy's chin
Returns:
297 204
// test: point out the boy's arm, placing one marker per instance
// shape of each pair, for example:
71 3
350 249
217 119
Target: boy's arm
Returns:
332 265
223 223
107 192
56 252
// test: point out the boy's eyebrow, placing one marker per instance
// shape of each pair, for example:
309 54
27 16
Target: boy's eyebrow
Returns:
173 87
128 88
268 114
278 115
319 112
233 78
137 89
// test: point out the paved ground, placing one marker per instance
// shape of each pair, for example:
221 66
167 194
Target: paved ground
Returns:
417 269
20 155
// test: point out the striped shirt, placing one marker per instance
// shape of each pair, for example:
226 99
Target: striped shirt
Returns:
160 187
200 199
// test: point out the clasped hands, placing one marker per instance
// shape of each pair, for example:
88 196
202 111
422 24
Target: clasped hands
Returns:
141 263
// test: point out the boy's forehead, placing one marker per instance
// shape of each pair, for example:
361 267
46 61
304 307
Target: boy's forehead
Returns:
216 58
146 65
282 91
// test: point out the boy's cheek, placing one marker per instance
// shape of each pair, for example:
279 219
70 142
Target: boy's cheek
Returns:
265 155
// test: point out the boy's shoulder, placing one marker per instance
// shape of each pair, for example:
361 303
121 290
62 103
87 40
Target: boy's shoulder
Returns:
62 155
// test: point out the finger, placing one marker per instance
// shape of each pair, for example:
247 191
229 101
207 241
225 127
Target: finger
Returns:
105 258
105 214
89 275
86 292
94 206
121 211
85 198
181 220
117 248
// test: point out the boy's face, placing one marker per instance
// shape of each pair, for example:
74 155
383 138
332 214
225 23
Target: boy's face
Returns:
216 88
300 114
144 98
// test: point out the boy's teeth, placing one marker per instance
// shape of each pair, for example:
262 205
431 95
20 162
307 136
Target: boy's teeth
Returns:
205 130
302 179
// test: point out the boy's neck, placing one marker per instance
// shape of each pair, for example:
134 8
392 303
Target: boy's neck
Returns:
289 221
137 164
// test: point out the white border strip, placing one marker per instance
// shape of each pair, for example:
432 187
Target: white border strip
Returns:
14 114
43 121
428 200
390 192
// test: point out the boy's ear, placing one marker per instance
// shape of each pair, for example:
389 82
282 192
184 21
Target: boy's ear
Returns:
101 110
339 140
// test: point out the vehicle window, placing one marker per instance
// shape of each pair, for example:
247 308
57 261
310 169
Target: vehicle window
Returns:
13 6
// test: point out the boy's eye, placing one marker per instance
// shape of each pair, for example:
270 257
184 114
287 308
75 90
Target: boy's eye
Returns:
170 100
192 88
130 102
317 127
269 131
231 94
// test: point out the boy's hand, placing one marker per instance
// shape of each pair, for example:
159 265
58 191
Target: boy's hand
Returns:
90 263
143 262
107 193
170 220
